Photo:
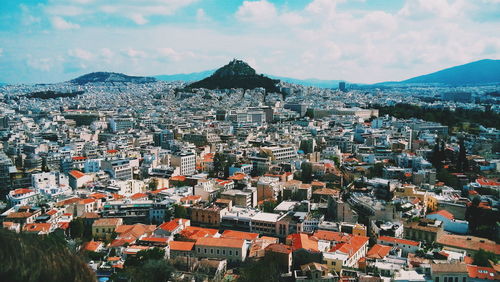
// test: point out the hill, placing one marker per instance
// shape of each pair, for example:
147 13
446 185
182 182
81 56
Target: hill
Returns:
110 77
195 76
236 74
27 257
479 72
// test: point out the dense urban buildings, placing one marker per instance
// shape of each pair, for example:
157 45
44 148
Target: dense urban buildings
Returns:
318 184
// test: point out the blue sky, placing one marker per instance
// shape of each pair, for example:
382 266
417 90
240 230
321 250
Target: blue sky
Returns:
356 40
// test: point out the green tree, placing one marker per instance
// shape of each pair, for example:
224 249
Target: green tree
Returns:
28 257
76 228
148 265
482 258
153 184
268 206
377 170
462 157
142 256
180 212
306 172
221 165
267 269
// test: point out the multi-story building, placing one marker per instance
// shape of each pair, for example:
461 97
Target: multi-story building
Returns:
103 228
234 250
118 169
241 198
186 161
424 230
279 154
23 196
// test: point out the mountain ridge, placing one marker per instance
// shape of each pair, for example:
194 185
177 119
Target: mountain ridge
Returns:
479 72
236 74
111 77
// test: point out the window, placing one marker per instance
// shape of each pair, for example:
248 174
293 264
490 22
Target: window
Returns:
217 251
230 253
236 253
224 253
211 251
205 251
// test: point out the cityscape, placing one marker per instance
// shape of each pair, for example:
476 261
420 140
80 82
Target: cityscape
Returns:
246 160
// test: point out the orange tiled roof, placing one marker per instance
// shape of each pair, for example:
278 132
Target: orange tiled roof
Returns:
480 272
37 227
279 248
352 246
378 251
134 231
155 239
79 158
193 232
240 235
237 176
21 191
302 241
181 178
444 213
86 201
181 246
92 246
220 242
171 225
138 196
98 196
331 236
398 240
76 174
468 243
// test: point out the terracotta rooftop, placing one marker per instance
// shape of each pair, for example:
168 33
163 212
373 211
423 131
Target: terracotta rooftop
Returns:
76 174
181 246
398 240
378 251
468 243
220 242
240 235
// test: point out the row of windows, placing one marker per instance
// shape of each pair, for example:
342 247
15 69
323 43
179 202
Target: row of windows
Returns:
218 252
450 279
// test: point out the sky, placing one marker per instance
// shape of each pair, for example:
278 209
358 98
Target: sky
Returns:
362 41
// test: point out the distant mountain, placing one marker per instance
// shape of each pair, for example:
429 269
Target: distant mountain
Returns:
187 77
236 74
111 77
479 72
195 76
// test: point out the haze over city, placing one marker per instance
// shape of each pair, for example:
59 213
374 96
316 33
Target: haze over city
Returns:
353 40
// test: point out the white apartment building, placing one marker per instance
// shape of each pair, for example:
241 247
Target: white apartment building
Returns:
186 161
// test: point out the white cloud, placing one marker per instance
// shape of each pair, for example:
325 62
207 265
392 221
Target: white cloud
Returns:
257 12
137 11
323 40
326 8
60 23
138 19
134 53
81 54
42 64
201 15
419 9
